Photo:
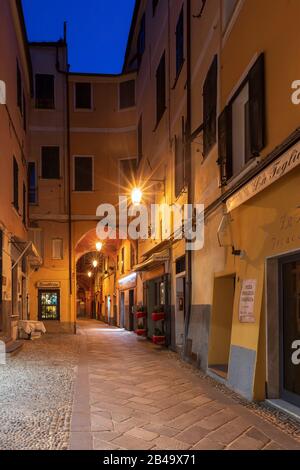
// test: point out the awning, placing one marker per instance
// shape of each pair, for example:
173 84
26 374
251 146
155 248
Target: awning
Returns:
27 249
153 261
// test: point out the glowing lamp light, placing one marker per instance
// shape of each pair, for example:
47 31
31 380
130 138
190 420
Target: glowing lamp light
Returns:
95 263
89 274
136 196
99 246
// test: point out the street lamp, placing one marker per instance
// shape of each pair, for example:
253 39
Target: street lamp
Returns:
136 196
95 263
89 274
99 246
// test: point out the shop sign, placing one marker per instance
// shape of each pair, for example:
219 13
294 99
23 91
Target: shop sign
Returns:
247 301
283 165
48 285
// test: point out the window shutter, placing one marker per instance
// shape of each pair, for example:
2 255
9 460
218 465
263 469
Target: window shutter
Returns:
225 144
210 92
257 106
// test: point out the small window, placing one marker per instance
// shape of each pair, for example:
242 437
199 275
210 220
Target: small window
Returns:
210 96
127 94
19 89
24 205
141 43
140 139
32 183
50 163
57 249
128 169
161 89
179 43
83 174
83 96
44 91
154 6
15 184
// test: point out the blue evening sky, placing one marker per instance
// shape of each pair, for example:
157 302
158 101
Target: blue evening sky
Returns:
97 30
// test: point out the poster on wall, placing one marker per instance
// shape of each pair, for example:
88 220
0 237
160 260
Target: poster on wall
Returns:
247 301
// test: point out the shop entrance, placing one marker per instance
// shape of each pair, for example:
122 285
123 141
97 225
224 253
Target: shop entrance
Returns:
131 313
122 310
221 325
290 329
49 305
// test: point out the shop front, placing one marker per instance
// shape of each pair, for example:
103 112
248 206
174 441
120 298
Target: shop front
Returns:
127 300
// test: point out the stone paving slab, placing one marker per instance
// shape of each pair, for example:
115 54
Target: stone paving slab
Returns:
140 396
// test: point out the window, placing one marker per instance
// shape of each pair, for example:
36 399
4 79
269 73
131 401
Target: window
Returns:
127 94
24 205
32 186
210 93
154 6
179 162
180 265
179 43
141 42
132 257
50 163
123 261
19 89
128 169
228 10
83 96
161 89
83 174
15 184
57 248
242 123
140 139
44 91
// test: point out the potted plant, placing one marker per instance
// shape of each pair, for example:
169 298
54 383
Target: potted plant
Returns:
159 313
141 311
159 337
141 330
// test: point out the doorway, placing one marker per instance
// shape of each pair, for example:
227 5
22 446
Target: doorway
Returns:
49 305
289 278
108 309
131 313
221 325
180 312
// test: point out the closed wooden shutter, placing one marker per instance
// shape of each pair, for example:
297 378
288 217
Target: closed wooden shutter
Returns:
161 89
225 144
210 93
257 106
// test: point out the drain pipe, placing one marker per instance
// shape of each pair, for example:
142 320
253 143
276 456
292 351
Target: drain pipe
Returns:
188 167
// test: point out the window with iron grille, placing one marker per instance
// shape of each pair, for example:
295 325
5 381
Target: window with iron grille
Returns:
179 43
161 88
50 163
127 94
83 174
15 184
44 91
83 95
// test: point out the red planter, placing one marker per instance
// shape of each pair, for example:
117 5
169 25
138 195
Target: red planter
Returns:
157 316
141 332
141 314
160 340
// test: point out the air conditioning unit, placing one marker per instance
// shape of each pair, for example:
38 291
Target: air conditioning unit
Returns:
2 92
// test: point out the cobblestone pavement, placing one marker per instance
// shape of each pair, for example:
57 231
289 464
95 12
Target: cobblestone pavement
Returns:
130 394
36 392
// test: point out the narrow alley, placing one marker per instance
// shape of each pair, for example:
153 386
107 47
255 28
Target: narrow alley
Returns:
104 389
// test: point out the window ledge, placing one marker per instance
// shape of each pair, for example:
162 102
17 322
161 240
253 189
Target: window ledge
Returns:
246 169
